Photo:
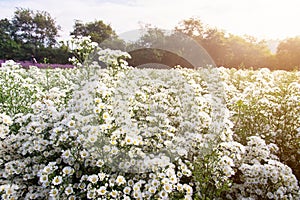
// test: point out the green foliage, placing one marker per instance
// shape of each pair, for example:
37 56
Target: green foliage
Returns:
35 28
211 182
9 47
193 27
97 30
30 32
228 50
288 53
53 54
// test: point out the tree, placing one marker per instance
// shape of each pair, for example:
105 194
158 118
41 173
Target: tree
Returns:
247 52
9 47
214 42
288 53
192 27
28 33
228 51
36 29
98 30
211 39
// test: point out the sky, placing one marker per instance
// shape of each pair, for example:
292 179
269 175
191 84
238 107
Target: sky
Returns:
263 19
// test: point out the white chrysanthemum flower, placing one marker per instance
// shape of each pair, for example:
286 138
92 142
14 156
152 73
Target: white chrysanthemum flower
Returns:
227 161
137 194
165 181
92 138
163 194
102 176
97 100
173 179
113 142
66 154
270 195
102 106
137 141
155 183
57 180
80 138
93 178
187 172
120 180
38 130
73 133
128 140
106 148
7 120
127 190
168 188
47 169
188 189
53 192
130 182
91 194
152 190
136 187
105 115
44 178
4 130
100 163
72 197
102 190
71 124
126 197
84 153
57 129
114 150
97 110
69 190
228 171
68 170
64 137
179 187
114 194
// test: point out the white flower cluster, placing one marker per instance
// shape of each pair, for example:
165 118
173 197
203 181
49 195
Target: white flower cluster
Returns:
18 90
267 104
125 133
5 122
260 172
81 47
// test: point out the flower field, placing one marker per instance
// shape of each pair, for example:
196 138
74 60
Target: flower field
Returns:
27 64
127 133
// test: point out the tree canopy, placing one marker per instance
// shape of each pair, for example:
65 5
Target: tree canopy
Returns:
34 28
9 47
31 33
288 53
98 30
228 50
